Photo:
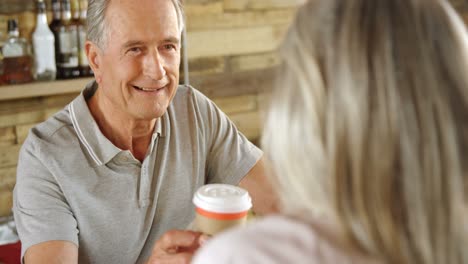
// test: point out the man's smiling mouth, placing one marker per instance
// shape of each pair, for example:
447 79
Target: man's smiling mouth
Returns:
145 89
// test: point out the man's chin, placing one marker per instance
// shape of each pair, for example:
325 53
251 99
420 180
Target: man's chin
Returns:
152 114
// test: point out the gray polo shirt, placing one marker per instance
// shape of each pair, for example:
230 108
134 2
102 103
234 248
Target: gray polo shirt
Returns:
73 184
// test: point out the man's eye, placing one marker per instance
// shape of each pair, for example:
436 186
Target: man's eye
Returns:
169 47
134 50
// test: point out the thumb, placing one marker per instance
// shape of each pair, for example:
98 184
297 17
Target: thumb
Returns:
173 240
203 238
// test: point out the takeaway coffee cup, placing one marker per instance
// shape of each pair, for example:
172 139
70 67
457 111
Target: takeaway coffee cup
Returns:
220 206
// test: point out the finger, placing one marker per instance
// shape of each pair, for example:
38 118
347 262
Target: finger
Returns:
175 239
179 258
203 238
200 241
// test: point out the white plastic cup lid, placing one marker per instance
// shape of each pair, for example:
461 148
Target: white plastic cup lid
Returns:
222 198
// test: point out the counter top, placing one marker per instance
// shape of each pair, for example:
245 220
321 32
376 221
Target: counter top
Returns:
36 89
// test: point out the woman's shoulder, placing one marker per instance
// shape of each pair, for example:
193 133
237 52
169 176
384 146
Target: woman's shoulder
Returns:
278 239
273 239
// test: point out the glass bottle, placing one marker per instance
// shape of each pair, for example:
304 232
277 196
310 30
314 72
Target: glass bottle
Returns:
55 26
1 57
43 44
67 58
17 60
1 66
85 70
56 14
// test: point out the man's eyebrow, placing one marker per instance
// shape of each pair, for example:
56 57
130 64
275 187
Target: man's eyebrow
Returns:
172 40
131 43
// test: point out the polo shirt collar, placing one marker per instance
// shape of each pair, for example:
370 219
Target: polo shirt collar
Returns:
99 148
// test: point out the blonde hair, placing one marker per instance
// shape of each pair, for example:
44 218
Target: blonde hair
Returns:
368 124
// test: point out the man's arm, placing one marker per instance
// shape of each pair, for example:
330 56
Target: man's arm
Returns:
256 183
52 252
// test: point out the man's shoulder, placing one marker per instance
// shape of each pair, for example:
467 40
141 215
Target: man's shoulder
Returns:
187 92
262 241
56 129
190 101
266 230
278 239
54 124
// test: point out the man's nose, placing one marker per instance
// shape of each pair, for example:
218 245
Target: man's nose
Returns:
154 66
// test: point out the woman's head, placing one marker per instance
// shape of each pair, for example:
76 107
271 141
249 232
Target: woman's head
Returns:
368 123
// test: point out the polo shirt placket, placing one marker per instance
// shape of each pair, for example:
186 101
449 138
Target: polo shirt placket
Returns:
103 152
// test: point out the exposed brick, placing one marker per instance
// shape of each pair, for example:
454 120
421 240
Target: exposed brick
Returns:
254 62
204 8
248 123
260 4
9 156
236 104
241 19
22 132
59 100
234 84
207 65
7 135
27 117
6 202
19 105
212 43
236 5
7 177
51 111
198 2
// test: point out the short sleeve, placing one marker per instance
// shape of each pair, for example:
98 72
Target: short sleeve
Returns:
40 210
230 154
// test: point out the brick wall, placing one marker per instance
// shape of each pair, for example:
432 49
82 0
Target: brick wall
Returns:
231 50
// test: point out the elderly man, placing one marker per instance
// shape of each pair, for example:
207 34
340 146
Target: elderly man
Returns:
105 179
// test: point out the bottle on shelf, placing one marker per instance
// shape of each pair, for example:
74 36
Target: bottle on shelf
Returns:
43 45
55 26
1 66
1 57
85 70
67 41
17 60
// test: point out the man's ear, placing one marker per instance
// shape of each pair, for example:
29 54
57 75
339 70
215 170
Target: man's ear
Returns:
94 53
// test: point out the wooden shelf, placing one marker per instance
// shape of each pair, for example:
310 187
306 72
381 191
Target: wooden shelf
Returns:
12 7
36 89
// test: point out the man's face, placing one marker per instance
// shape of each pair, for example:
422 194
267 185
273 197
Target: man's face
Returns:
139 64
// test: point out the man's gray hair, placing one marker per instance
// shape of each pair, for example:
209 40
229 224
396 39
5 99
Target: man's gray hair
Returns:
97 27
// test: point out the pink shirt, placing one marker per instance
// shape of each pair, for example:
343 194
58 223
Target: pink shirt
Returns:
274 239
